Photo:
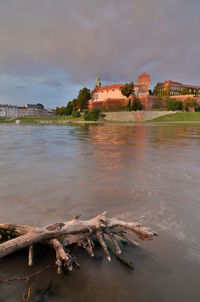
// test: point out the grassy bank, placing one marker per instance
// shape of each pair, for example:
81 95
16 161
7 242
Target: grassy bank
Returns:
179 117
44 120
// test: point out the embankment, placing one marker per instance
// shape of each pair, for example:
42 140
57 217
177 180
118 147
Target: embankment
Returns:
134 116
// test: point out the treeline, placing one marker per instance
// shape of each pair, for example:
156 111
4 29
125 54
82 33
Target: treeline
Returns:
175 105
77 105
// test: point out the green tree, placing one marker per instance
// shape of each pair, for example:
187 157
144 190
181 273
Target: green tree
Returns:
83 98
197 91
129 105
137 105
188 104
174 105
185 91
69 108
127 89
75 104
61 110
159 89
75 113
92 115
197 108
158 105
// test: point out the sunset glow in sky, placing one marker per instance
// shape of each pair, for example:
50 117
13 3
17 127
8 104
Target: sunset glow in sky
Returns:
49 49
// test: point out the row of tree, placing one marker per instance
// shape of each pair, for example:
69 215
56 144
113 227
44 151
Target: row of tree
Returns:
76 105
175 105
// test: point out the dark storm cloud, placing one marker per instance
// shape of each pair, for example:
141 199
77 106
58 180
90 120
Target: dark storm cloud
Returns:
115 39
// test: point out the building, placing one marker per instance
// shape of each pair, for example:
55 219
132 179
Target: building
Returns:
175 88
143 85
111 96
10 111
2 111
36 110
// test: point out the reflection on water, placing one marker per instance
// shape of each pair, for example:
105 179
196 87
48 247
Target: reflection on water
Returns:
146 172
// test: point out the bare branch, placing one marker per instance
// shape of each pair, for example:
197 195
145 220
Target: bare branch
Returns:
30 255
103 245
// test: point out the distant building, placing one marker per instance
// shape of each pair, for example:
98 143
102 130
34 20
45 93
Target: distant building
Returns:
175 88
11 111
105 96
8 111
2 111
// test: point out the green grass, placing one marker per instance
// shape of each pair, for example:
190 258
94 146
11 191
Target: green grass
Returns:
53 119
5 120
43 119
2 120
179 117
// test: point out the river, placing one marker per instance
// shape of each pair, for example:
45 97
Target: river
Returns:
148 173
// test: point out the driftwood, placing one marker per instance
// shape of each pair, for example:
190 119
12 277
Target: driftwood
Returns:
59 236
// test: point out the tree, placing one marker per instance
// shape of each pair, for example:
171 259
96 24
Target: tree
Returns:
75 113
160 104
137 105
185 91
197 91
174 105
159 89
197 108
83 98
75 103
188 104
92 115
61 110
128 89
129 105
69 108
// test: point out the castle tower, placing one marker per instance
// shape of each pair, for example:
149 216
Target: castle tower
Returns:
144 83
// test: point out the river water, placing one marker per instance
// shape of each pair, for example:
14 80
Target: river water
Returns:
148 173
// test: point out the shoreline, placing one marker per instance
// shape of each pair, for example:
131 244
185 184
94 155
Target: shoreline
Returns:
170 118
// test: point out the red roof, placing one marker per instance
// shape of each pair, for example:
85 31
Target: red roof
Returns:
114 86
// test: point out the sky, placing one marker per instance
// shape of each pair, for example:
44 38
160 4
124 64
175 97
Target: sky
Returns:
49 49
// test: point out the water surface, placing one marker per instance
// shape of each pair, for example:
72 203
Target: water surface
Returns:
149 173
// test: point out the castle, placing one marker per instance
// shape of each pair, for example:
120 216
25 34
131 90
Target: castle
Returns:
111 96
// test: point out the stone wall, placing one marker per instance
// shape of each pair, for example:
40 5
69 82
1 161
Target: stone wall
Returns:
182 98
109 103
147 102
134 116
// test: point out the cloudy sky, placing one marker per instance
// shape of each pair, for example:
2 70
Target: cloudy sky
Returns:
49 49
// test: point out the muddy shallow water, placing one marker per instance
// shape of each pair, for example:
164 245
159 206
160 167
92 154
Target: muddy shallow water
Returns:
149 173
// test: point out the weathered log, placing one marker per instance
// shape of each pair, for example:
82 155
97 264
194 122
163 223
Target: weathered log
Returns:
76 231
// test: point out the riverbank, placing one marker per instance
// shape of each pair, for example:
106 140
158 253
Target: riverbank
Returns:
179 117
58 120
113 117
